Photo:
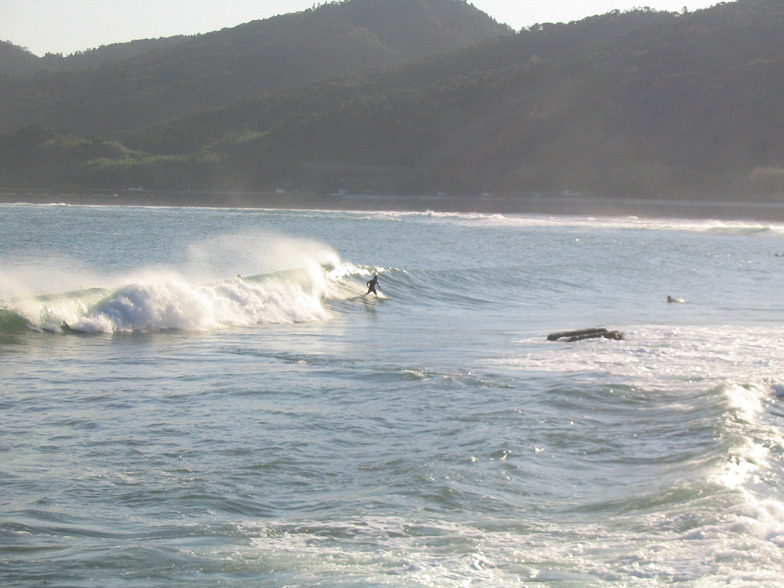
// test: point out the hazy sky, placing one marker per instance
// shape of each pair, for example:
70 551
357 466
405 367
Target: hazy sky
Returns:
65 26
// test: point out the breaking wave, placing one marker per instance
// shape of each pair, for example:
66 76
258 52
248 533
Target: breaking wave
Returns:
169 302
193 299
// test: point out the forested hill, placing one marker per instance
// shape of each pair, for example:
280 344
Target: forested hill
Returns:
635 103
18 61
15 60
132 88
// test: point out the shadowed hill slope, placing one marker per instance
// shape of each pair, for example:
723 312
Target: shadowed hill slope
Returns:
636 103
224 67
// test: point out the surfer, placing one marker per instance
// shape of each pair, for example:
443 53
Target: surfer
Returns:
371 285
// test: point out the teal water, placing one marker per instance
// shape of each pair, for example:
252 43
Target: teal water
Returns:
226 406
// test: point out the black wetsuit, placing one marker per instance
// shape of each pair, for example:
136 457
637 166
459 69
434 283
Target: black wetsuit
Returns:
372 286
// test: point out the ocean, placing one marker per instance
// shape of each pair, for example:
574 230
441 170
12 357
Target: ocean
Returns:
201 396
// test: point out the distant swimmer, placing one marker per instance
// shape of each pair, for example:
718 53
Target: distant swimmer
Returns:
670 299
372 286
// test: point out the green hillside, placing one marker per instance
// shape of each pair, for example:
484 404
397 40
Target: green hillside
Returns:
640 103
122 87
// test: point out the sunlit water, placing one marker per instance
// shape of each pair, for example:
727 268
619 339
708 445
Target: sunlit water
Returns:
200 396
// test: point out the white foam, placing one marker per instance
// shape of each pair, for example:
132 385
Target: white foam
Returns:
737 546
656 357
292 278
170 302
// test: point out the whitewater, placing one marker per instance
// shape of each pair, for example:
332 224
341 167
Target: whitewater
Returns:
196 396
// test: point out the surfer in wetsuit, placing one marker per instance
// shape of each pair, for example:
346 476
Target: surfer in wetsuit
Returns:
372 286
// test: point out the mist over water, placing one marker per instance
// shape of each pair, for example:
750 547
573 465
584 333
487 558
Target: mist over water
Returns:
194 295
226 405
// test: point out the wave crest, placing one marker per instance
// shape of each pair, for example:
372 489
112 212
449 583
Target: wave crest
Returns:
297 276
170 302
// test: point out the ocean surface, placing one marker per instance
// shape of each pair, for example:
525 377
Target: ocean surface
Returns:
195 396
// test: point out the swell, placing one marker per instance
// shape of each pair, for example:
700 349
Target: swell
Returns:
12 321
448 288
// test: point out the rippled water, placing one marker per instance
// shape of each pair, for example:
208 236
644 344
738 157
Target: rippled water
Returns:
199 396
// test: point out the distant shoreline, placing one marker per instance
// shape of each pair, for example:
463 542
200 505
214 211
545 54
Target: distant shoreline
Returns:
551 204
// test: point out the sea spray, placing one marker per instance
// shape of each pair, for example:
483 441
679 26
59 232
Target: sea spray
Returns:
253 253
27 274
290 278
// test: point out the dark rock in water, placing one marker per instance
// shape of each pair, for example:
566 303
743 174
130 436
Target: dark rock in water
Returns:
579 335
